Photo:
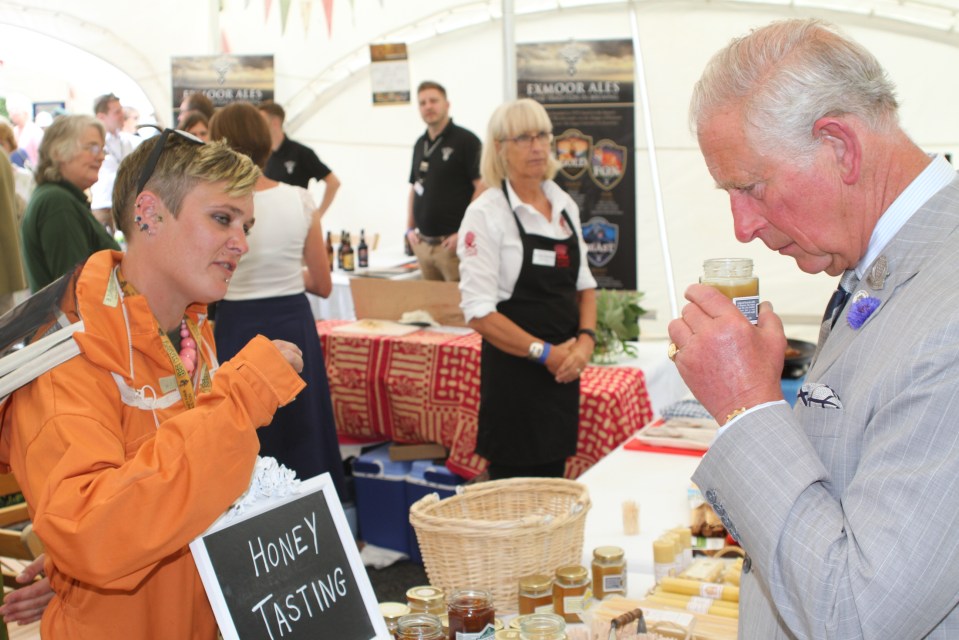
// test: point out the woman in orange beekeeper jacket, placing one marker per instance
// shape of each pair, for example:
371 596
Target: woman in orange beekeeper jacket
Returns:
131 449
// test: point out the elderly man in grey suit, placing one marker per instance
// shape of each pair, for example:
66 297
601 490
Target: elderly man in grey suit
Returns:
847 505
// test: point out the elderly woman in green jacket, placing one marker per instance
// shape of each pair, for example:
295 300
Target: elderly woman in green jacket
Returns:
59 229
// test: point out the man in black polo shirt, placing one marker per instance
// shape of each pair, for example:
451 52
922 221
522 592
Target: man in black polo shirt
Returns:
292 162
444 179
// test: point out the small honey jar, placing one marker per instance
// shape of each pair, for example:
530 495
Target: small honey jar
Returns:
543 626
419 626
570 591
471 615
426 600
609 572
734 277
392 612
535 594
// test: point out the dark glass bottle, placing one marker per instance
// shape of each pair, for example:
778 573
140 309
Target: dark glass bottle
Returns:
329 249
363 252
349 256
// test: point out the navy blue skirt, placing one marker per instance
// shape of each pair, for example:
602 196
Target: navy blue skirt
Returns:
302 435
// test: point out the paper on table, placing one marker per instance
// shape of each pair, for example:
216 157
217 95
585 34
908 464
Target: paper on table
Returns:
376 328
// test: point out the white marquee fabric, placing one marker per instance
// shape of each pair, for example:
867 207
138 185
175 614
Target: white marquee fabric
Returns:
322 77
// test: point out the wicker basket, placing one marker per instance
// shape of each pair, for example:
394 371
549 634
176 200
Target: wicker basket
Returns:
493 533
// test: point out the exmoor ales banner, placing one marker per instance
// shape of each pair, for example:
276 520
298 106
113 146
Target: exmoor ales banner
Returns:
587 88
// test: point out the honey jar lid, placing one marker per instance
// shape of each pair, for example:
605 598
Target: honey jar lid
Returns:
572 573
518 620
393 610
608 554
425 595
535 582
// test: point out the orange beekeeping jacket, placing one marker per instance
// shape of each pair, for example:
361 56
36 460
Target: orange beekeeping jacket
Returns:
119 476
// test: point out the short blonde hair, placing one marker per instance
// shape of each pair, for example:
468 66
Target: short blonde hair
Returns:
61 143
181 166
508 121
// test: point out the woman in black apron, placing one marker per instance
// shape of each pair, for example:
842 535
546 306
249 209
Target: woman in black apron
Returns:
526 289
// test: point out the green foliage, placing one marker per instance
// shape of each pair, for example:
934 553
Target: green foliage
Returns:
617 322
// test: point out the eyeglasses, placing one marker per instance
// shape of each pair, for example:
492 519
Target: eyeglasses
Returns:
151 164
94 148
527 139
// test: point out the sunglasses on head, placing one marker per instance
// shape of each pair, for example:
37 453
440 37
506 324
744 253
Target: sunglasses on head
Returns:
154 158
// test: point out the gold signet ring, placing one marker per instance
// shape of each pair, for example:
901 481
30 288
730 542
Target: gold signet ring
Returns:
672 350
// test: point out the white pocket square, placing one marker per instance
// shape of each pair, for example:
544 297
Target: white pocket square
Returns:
814 394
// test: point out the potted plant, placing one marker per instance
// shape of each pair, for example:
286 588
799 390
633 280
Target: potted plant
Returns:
617 323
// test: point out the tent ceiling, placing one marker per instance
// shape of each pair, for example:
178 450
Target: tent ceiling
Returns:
139 39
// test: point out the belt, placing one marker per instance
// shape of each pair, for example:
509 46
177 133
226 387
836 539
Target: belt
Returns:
431 240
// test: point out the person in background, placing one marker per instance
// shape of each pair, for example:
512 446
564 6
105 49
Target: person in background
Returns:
295 163
197 124
59 230
266 296
444 179
527 289
131 119
11 269
28 133
121 465
116 146
23 178
195 101
847 504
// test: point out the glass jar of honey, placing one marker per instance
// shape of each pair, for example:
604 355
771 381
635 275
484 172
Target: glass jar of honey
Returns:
535 594
419 626
471 615
734 277
609 572
426 600
570 591
543 626
392 612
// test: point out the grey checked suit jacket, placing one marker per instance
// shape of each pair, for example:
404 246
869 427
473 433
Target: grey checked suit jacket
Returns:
850 515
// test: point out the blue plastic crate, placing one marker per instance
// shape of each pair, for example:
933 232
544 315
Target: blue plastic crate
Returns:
381 506
427 477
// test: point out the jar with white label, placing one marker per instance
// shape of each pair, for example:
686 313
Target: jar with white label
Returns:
471 615
734 278
609 572
570 591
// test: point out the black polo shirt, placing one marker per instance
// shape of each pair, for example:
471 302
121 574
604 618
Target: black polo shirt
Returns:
447 179
295 163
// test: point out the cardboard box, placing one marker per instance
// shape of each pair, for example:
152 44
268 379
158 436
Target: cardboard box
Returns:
423 451
381 299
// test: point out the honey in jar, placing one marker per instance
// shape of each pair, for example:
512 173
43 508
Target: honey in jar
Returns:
734 278
535 594
543 626
609 572
570 591
471 615
426 600
419 626
392 612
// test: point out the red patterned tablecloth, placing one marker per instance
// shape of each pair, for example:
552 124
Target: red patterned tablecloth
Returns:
424 387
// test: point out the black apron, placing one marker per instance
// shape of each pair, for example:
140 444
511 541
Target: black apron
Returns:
525 416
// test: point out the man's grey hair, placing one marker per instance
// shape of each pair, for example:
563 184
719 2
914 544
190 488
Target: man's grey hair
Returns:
787 75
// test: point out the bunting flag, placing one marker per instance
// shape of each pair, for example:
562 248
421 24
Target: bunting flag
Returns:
284 13
266 14
224 43
306 8
328 10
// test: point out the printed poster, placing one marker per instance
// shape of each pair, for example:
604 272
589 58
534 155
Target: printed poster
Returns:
587 89
223 78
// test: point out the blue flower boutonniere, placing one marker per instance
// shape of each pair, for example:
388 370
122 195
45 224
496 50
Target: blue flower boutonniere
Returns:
860 311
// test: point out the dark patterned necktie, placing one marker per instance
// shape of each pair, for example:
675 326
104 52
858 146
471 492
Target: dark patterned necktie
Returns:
837 303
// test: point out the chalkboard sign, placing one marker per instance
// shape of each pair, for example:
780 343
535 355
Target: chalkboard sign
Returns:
289 568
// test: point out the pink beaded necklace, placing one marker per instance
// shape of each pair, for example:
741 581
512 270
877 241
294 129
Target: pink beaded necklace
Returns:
187 348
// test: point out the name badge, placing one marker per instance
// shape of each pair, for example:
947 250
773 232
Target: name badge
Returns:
418 188
544 258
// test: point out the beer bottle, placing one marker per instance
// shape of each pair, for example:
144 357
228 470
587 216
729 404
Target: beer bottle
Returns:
363 251
339 253
348 254
329 249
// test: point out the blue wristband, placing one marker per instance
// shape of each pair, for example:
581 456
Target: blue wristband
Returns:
546 348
